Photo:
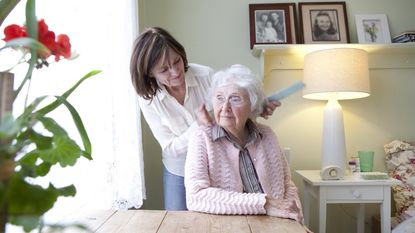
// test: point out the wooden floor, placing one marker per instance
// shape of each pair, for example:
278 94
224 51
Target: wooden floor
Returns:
158 221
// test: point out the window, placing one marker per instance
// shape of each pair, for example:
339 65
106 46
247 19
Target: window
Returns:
102 32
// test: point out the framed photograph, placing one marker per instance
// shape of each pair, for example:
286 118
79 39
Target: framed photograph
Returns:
272 23
373 29
323 22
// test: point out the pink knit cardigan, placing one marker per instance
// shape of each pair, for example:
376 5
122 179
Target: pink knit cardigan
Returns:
212 179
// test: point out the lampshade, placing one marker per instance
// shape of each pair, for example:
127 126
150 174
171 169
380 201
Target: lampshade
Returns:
340 71
335 74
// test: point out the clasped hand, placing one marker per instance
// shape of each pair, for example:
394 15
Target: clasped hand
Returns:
282 208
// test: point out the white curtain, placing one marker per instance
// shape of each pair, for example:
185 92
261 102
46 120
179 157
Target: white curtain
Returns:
102 32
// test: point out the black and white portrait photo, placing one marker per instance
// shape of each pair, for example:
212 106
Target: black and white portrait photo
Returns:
325 26
270 26
323 22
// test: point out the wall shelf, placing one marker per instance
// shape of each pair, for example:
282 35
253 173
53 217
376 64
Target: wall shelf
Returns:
291 56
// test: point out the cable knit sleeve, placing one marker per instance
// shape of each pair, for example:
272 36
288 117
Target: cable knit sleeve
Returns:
290 193
201 195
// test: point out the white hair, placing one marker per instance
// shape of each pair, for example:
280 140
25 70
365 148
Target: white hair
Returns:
241 76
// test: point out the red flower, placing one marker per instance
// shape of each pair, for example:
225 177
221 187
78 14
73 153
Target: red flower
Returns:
63 47
14 31
46 37
59 47
42 27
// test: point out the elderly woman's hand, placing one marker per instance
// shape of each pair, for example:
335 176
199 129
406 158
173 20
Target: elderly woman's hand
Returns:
280 208
203 117
269 108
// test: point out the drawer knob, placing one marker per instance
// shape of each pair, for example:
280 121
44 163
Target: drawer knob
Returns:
356 194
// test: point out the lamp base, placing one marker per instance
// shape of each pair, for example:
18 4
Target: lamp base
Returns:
332 172
333 159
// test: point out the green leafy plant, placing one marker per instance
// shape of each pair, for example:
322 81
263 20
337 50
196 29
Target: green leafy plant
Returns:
32 142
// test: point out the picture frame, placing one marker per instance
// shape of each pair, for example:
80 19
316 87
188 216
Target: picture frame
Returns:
372 29
323 22
274 23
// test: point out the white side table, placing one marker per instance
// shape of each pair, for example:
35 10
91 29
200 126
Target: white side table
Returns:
352 189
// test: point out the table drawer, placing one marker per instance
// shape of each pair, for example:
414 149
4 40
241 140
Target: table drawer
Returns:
368 193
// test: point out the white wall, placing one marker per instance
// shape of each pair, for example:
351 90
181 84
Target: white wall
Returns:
216 33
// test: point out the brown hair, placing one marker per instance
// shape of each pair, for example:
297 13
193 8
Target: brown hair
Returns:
151 45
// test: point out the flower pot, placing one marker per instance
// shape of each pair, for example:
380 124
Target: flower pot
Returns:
6 93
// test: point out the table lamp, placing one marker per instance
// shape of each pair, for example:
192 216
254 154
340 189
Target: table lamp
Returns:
335 74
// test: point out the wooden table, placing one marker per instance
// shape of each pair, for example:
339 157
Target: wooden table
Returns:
151 221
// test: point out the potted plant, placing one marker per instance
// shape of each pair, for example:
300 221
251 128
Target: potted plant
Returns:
32 142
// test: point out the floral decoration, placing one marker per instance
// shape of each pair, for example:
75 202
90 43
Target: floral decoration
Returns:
31 142
372 30
59 46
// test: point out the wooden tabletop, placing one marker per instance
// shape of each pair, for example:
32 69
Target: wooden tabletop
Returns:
160 221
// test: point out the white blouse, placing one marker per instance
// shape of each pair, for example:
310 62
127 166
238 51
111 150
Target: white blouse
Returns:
173 123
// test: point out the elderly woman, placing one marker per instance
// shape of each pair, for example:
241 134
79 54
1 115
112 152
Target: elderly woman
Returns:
236 165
